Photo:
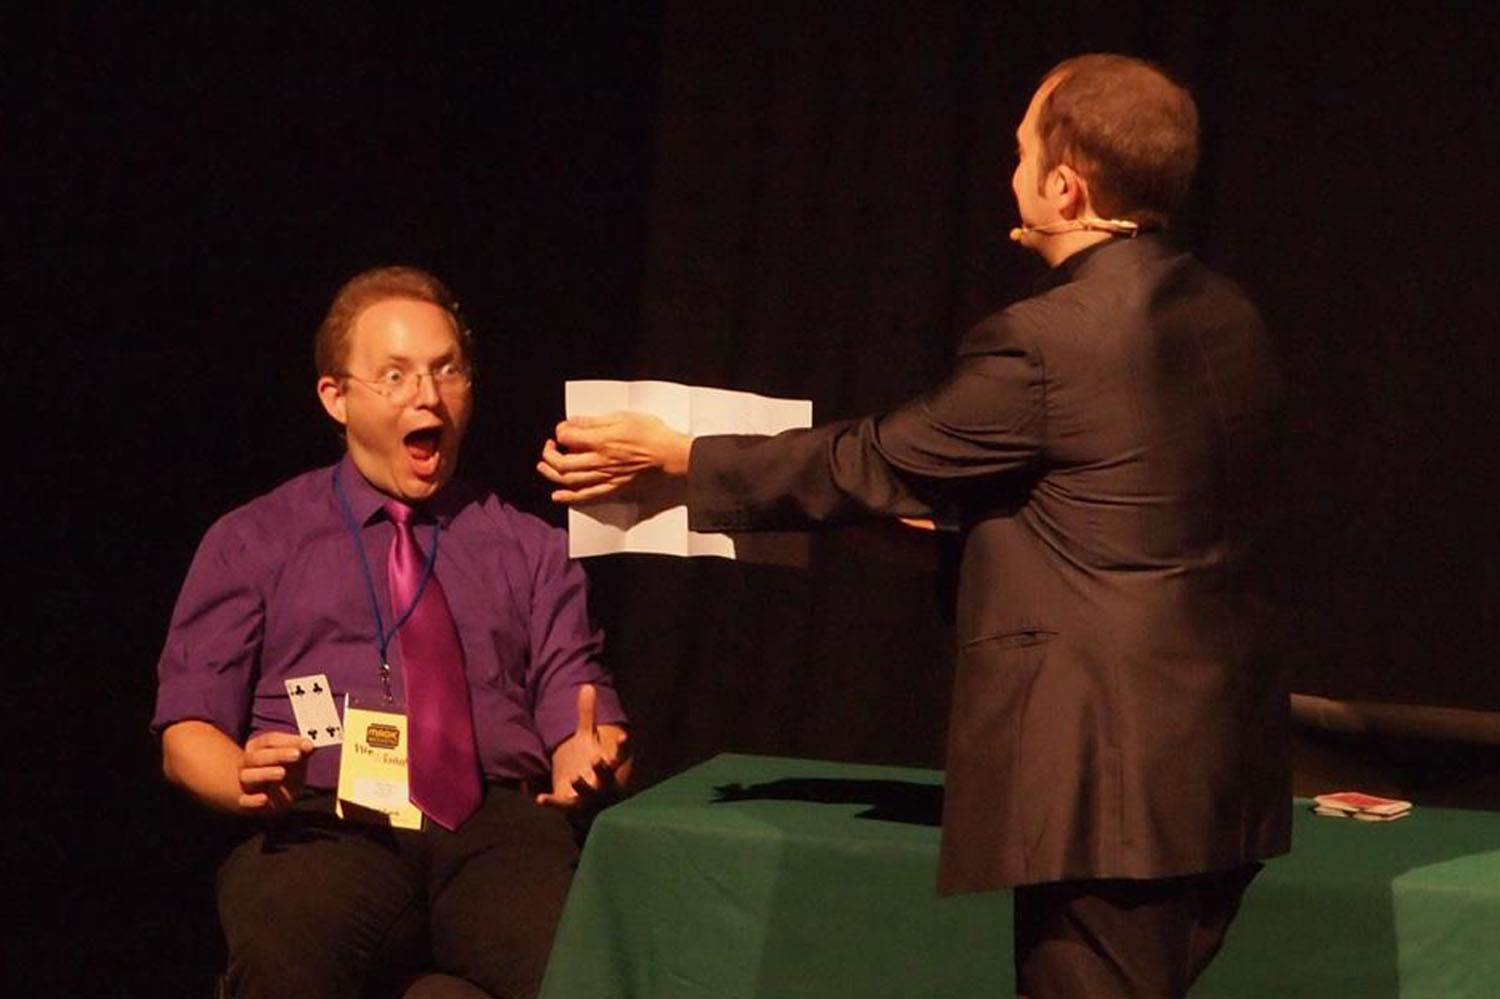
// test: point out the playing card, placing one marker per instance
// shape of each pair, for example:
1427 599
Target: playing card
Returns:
312 705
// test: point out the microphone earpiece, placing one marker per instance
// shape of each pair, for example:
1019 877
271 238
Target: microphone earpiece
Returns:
1115 227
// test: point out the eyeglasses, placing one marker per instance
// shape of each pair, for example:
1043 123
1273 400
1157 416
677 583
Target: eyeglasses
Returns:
400 387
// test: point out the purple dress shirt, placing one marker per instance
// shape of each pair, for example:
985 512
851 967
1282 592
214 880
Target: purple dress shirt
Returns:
276 591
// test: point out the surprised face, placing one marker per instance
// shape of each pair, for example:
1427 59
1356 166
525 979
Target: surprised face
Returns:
405 447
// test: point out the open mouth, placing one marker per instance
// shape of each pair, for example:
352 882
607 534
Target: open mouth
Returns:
422 446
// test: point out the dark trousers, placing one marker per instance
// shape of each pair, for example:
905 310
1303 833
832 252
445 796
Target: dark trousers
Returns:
1123 939
315 907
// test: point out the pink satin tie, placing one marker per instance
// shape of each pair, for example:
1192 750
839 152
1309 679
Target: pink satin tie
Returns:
442 764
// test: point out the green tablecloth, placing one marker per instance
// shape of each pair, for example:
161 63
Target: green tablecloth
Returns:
760 877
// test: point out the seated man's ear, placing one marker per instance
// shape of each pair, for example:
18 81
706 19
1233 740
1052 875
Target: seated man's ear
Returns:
331 395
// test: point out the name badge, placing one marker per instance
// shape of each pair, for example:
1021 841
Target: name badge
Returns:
372 769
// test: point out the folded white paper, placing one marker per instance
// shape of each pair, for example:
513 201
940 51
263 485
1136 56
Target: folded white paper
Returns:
656 522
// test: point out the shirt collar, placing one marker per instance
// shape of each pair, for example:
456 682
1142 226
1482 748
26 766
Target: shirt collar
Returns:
365 501
1074 267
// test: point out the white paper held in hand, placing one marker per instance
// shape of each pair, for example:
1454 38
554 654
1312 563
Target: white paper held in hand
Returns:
657 523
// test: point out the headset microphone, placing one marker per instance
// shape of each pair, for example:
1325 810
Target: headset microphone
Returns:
1115 227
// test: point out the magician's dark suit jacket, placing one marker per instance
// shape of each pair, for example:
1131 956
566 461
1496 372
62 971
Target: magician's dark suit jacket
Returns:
1106 449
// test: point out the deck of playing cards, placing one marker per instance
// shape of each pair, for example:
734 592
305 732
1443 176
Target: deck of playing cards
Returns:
1368 807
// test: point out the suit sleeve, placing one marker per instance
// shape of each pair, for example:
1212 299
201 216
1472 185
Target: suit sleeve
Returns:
982 426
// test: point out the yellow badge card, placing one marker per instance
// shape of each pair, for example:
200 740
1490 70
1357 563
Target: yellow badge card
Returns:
372 770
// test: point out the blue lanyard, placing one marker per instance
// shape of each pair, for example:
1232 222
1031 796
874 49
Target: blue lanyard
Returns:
383 637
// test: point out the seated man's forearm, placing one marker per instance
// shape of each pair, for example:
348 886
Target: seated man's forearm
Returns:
205 762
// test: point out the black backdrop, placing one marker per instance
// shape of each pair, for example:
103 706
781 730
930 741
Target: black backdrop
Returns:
783 198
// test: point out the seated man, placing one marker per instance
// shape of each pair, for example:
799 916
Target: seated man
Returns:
412 590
